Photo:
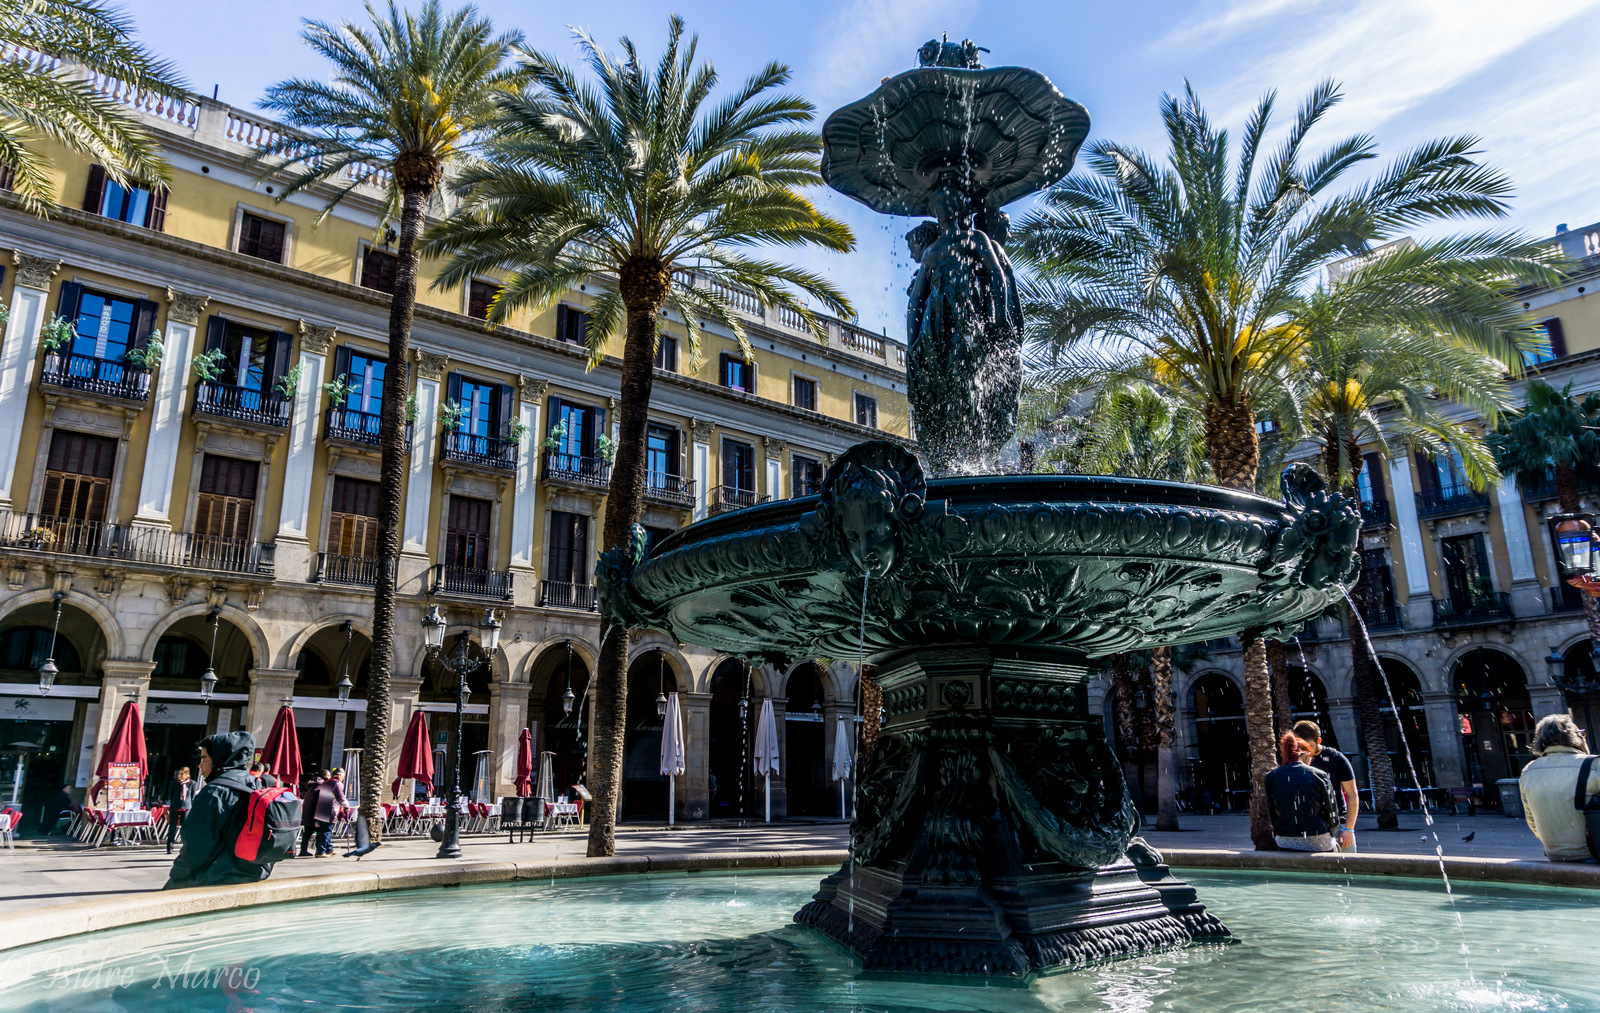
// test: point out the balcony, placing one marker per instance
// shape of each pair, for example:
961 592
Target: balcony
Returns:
557 594
725 498
1449 501
135 545
1546 489
490 452
1486 610
99 378
357 571
576 470
467 582
1565 598
669 490
1381 617
255 408
358 429
1375 515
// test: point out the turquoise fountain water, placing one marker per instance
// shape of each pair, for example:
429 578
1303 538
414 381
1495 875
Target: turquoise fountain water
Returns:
674 943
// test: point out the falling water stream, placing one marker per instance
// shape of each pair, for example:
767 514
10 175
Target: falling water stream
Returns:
861 702
1411 769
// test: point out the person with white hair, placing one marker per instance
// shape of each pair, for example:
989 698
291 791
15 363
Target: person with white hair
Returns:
1549 785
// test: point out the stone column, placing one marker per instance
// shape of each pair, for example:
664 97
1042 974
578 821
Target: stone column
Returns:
404 693
166 409
122 681
696 801
294 523
701 434
775 449
508 716
1419 613
269 687
525 504
419 477
1444 738
20 349
1526 594
1347 729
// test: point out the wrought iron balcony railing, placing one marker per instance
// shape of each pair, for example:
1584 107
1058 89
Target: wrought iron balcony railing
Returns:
1375 514
1485 610
480 451
467 582
1449 500
115 542
67 535
1381 617
669 490
102 377
575 469
1546 488
242 404
363 428
1565 598
726 497
556 594
334 568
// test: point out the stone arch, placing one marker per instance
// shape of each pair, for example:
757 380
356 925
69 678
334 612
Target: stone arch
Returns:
298 642
238 617
90 605
499 664
582 650
677 664
839 682
760 684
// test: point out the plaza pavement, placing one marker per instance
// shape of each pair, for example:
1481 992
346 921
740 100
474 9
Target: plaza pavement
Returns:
44 873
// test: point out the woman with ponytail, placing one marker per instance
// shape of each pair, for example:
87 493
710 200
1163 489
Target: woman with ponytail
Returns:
1300 800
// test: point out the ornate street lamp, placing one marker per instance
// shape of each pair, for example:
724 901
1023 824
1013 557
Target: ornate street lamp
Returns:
1575 543
48 671
661 685
208 680
345 685
459 662
1572 684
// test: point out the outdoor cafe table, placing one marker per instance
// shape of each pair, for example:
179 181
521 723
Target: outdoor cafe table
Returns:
133 817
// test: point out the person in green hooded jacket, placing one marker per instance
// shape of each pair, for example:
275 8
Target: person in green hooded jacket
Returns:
217 816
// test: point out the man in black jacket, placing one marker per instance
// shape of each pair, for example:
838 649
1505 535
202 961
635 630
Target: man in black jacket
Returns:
1300 800
217 816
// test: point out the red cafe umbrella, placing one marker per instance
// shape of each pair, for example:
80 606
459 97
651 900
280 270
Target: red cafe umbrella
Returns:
126 746
525 763
282 751
416 755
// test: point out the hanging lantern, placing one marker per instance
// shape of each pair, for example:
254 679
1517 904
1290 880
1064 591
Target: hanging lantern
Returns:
344 689
816 710
47 676
661 685
744 707
566 701
208 684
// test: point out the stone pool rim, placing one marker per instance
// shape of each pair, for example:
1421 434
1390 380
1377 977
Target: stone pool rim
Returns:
50 924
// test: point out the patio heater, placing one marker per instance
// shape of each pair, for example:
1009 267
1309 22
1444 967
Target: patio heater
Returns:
459 662
48 671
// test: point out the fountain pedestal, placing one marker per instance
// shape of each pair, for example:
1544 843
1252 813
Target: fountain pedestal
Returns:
991 825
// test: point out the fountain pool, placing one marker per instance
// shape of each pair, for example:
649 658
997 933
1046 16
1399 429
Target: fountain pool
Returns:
727 943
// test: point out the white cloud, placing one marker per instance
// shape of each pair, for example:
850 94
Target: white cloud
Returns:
862 41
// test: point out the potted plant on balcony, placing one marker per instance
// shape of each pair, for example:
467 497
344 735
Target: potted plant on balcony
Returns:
450 415
287 386
555 438
516 430
57 332
207 366
605 448
39 538
339 390
147 358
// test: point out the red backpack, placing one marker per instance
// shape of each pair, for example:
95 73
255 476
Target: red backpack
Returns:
271 827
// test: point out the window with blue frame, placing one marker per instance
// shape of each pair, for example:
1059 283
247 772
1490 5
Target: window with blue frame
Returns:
477 402
125 202
737 374
661 454
576 424
104 325
366 384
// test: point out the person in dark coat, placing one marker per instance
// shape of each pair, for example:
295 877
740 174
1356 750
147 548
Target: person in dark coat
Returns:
216 817
1300 801
330 796
308 810
180 798
263 773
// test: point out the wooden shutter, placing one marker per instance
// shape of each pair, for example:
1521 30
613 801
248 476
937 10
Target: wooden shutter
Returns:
596 431
216 330
505 406
280 354
95 191
1427 473
341 363
144 323
156 216
1375 477
8 177
467 537
353 520
227 497
1557 335
67 302
452 388
78 477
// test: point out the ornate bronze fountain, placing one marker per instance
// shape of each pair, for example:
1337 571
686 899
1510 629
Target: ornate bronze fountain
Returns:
993 825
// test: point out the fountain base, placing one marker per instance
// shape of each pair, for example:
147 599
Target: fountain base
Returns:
993 829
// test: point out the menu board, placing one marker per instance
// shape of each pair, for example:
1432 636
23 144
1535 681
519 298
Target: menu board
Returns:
123 787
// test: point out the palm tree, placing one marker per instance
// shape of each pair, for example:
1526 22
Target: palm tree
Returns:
409 96
639 178
1191 273
39 100
1556 434
1387 388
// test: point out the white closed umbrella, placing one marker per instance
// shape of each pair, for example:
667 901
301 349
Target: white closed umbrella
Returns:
672 753
767 749
842 760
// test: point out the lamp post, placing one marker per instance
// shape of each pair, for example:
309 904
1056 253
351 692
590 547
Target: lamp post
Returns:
48 671
459 663
208 681
1572 684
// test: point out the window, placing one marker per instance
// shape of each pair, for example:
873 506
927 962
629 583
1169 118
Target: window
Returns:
1466 571
480 294
1555 336
805 393
653 536
736 373
466 538
77 478
569 546
866 411
227 497
477 401
136 205
253 358
667 353
578 426
572 325
364 375
353 519
107 325
378 269
25 648
1378 578
262 237
738 466
8 177
805 476
661 454
181 658
1369 481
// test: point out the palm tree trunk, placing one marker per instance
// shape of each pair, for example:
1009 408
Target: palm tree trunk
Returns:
391 485
1235 452
1166 762
643 286
1282 707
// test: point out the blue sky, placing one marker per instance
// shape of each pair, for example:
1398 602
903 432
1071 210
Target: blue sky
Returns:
1519 75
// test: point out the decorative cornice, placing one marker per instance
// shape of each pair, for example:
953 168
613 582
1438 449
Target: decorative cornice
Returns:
530 389
701 430
315 338
34 272
430 365
185 307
